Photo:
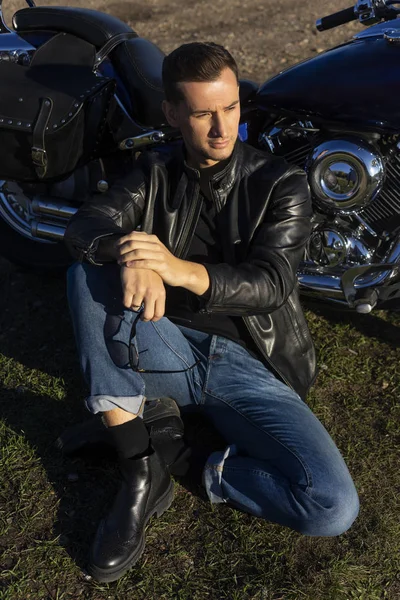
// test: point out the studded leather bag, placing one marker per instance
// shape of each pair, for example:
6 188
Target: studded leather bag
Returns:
53 112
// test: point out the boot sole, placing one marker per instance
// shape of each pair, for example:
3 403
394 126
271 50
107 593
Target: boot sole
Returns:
107 576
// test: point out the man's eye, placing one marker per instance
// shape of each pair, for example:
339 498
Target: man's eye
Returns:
201 115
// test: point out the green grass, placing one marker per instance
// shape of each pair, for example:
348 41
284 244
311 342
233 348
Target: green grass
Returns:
195 551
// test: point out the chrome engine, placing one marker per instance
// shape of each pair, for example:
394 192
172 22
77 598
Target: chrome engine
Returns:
355 186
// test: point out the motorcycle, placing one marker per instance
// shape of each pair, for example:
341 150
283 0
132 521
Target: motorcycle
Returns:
335 115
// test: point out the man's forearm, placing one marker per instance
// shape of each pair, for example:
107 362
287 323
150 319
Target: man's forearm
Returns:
196 278
139 250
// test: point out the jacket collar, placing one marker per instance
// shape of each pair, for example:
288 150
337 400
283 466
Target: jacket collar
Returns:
222 181
224 178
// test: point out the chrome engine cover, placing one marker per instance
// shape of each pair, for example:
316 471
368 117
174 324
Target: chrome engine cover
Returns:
355 185
345 174
334 248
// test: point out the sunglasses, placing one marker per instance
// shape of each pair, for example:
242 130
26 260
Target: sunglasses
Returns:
134 354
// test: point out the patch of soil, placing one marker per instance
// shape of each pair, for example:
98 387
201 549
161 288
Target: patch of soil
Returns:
265 37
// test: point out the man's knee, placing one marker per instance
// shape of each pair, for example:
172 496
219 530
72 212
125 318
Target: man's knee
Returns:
336 514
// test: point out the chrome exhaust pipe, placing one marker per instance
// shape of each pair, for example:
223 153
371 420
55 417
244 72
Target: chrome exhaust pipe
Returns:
50 208
321 285
51 230
47 231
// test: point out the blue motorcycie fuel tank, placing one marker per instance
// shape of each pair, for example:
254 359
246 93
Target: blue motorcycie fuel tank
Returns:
357 82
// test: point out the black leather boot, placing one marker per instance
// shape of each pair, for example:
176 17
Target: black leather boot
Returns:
146 490
163 421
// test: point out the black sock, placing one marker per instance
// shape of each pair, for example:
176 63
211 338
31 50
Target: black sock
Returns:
130 439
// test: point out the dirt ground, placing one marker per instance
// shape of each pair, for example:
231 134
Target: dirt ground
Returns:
264 36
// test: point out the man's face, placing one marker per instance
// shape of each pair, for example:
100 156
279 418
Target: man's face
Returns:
208 118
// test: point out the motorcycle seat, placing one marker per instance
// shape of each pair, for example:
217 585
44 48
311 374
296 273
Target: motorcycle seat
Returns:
138 62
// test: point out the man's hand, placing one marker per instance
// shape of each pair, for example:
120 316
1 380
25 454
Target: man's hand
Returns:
139 250
141 286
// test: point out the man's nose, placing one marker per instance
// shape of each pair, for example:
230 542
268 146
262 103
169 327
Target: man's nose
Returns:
218 126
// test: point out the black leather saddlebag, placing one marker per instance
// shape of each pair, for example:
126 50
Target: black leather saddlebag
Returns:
53 112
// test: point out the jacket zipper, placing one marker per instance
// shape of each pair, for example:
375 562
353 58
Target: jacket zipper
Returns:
89 252
248 325
215 197
190 224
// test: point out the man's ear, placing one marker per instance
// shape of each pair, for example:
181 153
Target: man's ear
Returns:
170 112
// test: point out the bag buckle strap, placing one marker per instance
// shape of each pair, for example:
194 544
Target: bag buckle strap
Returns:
39 157
38 153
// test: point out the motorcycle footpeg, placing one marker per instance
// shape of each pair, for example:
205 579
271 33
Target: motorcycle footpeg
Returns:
366 300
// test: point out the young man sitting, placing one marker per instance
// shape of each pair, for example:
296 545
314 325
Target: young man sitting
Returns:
201 305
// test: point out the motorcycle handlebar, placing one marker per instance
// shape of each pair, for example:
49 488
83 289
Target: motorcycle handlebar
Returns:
339 18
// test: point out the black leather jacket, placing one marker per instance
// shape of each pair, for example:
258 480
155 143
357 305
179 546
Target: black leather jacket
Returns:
265 210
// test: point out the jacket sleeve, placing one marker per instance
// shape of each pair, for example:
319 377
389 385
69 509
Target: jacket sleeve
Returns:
92 232
263 282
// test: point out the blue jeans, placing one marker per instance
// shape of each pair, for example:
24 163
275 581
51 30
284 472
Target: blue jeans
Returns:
280 463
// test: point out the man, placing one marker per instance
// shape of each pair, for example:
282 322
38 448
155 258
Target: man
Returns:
223 229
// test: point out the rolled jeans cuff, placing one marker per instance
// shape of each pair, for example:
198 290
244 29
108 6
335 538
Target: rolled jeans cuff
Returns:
104 403
212 474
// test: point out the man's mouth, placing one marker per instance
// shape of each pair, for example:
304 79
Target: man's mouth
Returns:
218 144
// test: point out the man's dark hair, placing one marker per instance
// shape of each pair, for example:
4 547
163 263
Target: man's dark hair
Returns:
196 61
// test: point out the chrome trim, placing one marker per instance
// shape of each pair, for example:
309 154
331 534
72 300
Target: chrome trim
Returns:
47 231
15 56
15 209
102 186
331 248
392 36
345 174
285 131
327 247
350 277
357 252
145 139
365 10
20 212
365 225
320 284
53 209
344 285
